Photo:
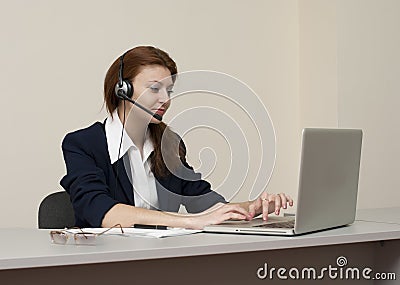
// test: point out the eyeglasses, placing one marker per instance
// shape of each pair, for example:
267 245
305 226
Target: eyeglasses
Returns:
80 238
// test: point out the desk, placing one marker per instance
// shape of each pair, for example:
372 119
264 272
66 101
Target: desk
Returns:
27 255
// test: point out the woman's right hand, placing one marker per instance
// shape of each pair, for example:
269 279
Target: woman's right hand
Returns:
217 214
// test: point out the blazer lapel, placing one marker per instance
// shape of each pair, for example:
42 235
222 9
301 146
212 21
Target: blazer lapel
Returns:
123 180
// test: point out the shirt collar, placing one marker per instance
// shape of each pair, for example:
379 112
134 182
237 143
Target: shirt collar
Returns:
113 128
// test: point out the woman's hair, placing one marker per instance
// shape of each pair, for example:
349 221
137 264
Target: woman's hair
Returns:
134 60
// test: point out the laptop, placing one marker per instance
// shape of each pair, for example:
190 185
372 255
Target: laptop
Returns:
327 190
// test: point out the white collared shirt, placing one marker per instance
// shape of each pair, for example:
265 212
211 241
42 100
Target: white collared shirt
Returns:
141 176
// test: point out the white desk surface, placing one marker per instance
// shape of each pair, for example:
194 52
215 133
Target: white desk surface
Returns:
380 215
27 248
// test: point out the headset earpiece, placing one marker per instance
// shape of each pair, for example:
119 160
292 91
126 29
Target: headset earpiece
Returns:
124 87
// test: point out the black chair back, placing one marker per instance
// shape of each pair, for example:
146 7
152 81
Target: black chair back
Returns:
56 212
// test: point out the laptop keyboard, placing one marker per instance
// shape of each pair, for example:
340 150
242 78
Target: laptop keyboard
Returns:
284 225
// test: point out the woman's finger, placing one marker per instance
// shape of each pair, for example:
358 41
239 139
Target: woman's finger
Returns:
278 204
290 200
283 200
252 209
265 206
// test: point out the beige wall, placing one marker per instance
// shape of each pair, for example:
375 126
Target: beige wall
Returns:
369 92
349 70
318 63
294 54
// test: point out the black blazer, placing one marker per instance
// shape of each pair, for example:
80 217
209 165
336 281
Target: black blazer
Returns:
93 189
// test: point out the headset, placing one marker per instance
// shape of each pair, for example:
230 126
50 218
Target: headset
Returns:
123 89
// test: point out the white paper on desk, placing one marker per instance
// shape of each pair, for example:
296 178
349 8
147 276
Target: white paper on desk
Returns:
141 232
160 233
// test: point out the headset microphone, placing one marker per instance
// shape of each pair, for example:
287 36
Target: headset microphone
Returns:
124 90
157 116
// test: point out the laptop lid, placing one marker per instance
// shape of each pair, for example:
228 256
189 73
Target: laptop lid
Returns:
328 178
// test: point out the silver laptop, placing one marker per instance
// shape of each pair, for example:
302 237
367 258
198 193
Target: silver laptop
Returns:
328 185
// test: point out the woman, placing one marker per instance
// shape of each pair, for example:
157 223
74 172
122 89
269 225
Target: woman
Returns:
100 159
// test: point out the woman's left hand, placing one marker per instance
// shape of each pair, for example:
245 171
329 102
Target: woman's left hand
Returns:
268 203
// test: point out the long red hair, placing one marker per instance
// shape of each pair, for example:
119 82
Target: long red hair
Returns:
134 60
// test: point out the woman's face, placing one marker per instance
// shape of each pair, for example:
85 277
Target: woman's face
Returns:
152 88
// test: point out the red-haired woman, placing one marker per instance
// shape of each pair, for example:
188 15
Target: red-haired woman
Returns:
117 172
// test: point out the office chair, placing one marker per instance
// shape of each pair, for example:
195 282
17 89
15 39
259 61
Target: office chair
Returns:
56 212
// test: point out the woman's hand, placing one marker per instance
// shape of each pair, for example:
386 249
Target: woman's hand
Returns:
265 204
217 214
268 203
